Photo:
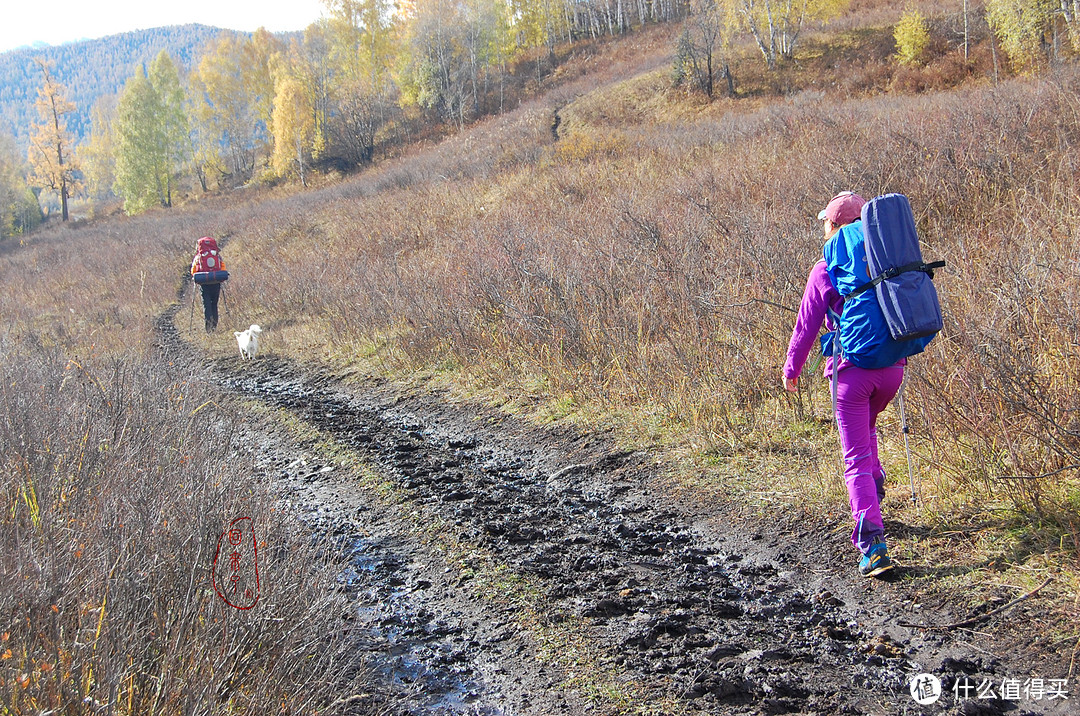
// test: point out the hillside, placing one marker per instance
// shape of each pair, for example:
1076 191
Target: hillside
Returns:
88 69
515 436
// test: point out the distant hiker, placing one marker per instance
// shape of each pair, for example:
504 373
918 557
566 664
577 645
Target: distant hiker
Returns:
860 394
208 270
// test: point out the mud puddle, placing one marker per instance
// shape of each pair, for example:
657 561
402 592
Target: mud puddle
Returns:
612 598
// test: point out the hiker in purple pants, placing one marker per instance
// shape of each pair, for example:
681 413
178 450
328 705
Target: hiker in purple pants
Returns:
861 395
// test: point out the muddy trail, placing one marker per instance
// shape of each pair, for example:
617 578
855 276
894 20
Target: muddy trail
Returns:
496 567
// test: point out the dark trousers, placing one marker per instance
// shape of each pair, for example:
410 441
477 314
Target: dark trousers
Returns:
210 293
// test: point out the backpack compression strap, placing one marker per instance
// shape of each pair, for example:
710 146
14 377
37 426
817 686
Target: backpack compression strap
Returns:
894 272
837 351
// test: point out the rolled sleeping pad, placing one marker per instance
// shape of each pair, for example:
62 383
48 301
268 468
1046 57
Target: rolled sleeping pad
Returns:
205 277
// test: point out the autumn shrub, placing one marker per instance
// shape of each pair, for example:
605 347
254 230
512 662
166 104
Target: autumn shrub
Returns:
912 37
655 269
658 267
955 53
581 146
951 70
97 283
117 480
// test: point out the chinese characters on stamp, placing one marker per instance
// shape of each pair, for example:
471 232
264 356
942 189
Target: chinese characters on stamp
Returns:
926 689
1009 689
235 573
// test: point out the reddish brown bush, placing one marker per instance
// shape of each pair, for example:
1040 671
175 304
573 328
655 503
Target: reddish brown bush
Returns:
652 267
115 483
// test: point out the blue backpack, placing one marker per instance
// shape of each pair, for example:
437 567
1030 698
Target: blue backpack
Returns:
891 308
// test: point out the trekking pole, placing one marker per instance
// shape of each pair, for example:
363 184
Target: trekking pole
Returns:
907 446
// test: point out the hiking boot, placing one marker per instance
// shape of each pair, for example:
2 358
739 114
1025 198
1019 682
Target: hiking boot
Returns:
875 561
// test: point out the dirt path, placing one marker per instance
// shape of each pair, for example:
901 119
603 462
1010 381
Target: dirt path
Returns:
501 568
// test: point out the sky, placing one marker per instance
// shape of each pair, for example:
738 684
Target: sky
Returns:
60 21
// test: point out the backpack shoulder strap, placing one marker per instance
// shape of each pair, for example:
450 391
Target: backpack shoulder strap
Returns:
927 268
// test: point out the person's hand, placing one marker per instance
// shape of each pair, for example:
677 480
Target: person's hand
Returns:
791 384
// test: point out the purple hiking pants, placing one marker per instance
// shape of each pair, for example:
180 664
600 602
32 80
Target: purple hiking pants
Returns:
861 396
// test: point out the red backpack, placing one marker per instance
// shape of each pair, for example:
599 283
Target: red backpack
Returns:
208 267
207 256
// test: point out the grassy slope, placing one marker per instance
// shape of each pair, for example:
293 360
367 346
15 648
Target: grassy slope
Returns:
118 474
634 272
631 268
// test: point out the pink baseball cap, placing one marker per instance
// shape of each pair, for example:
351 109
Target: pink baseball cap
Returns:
844 208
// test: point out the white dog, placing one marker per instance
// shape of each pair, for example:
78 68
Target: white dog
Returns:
248 341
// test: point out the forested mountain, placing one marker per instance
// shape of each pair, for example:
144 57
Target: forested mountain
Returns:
88 69
201 110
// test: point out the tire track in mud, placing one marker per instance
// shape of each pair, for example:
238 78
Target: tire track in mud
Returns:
688 625
520 570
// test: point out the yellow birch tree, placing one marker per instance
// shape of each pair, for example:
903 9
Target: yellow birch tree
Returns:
776 25
230 96
98 156
293 127
1021 27
362 55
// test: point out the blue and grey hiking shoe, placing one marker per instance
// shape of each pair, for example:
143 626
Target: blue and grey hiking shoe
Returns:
875 561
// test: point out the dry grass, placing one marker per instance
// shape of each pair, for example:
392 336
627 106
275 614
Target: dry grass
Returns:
639 268
119 473
645 268
117 481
